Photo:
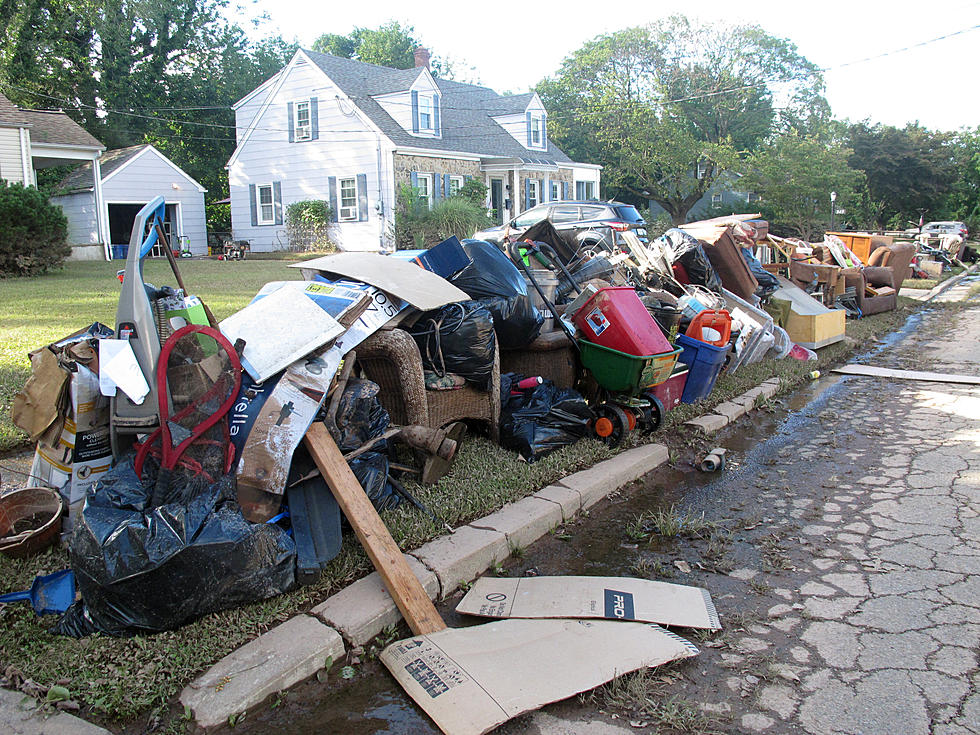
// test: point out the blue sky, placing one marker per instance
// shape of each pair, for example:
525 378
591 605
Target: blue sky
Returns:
510 46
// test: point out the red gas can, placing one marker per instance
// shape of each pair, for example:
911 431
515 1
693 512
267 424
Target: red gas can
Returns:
617 319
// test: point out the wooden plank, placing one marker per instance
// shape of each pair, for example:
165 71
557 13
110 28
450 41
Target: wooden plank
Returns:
399 579
868 370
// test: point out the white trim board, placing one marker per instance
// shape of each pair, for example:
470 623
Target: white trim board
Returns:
878 372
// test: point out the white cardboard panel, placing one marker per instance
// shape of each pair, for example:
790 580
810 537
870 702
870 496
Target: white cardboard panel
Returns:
470 680
614 598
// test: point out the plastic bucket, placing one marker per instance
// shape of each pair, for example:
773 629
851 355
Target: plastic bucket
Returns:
713 326
617 319
704 362
667 317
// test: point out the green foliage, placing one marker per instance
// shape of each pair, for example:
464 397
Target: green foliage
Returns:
33 232
391 45
795 174
667 108
218 217
417 226
475 191
308 225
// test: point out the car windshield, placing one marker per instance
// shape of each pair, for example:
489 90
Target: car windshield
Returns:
530 217
628 213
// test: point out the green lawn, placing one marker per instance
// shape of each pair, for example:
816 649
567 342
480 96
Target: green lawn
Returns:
37 311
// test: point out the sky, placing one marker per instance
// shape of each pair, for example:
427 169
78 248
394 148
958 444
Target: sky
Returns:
876 69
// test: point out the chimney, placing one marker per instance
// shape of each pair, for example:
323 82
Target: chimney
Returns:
422 57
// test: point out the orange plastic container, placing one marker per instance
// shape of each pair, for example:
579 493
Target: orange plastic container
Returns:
718 320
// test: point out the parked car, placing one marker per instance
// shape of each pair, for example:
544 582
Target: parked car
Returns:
938 229
592 224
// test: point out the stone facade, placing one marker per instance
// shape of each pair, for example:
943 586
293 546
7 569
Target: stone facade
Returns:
404 165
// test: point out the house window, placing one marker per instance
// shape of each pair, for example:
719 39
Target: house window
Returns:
425 113
555 196
537 126
753 197
302 121
455 184
424 187
716 198
265 207
585 190
532 193
348 200
703 168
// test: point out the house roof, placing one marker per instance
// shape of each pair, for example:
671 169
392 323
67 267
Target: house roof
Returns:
80 179
56 128
466 110
10 114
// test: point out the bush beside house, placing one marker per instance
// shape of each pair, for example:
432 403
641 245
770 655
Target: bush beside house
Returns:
33 232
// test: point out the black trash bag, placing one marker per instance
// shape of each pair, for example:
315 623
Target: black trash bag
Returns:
360 416
538 421
493 279
145 570
458 338
680 247
371 470
768 283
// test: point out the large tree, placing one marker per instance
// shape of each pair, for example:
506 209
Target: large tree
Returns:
667 108
391 44
794 174
909 170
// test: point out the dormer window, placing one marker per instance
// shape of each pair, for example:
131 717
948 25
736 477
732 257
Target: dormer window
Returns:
425 113
537 126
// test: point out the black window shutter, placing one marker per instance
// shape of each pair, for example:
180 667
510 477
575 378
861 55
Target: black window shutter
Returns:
289 114
362 198
314 118
252 206
277 201
334 212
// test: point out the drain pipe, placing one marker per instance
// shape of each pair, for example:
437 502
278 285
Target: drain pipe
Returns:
714 461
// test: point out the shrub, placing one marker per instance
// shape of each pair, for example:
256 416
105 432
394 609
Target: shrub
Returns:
219 217
33 232
308 225
417 226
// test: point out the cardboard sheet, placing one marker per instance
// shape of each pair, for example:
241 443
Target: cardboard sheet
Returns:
879 372
470 680
616 598
400 278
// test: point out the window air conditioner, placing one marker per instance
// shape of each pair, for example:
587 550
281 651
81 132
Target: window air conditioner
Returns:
304 132
348 213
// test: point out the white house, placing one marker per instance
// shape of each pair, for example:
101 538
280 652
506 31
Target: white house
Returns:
129 178
352 133
35 139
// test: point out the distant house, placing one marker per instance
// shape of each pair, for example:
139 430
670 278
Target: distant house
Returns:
352 133
131 177
36 139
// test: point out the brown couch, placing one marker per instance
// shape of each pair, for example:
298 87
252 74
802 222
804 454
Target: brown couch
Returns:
889 265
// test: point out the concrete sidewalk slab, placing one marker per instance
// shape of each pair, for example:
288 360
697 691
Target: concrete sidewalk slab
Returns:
22 715
462 556
363 609
277 659
601 479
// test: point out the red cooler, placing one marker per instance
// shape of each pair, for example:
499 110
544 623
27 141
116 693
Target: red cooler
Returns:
617 319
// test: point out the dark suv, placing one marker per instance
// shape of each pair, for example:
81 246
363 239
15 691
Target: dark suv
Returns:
592 224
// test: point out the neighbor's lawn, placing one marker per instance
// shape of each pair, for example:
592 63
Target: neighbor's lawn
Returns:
37 311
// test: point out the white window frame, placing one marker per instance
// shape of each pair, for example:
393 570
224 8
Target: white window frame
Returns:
555 191
537 130
455 184
427 110
348 212
302 132
752 197
424 185
716 198
259 218
533 194
588 191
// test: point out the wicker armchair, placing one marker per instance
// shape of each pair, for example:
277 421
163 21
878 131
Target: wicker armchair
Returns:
391 358
552 355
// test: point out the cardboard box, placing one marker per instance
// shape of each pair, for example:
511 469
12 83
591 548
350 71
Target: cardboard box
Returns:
615 598
470 680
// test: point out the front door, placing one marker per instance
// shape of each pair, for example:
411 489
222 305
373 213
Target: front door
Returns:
497 200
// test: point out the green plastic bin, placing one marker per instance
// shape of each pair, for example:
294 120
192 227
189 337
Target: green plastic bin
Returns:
624 373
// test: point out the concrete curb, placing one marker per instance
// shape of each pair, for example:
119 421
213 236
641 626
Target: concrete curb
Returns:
949 283
362 610
20 714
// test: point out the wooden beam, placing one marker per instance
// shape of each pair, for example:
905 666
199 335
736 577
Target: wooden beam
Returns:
401 582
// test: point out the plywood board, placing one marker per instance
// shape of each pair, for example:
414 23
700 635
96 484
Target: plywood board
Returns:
470 680
879 372
615 598
420 288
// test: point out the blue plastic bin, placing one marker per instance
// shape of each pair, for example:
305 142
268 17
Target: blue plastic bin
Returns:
119 252
705 362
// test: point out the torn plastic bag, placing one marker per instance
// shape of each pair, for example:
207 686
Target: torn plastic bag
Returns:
538 421
145 570
371 470
360 415
458 338
681 247
494 280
